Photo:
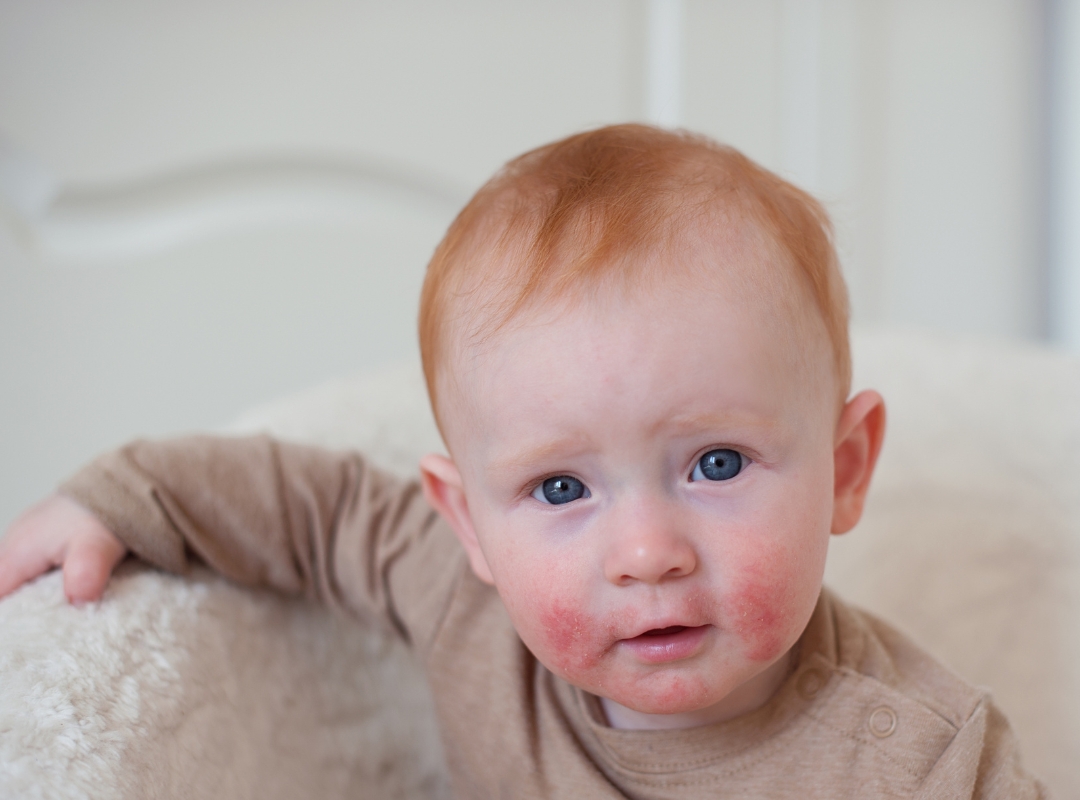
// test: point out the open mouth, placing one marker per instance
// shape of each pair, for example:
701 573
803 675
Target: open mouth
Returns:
665 631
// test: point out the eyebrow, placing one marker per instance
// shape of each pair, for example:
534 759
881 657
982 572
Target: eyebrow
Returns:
692 423
735 423
525 458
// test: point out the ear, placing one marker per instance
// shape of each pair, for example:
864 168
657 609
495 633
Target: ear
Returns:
444 490
859 435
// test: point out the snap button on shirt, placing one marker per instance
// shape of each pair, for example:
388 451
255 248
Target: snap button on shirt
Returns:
882 722
810 683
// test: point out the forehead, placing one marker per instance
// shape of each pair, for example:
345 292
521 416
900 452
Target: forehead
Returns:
716 285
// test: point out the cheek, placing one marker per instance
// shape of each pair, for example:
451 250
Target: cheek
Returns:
759 617
567 638
549 609
772 600
775 569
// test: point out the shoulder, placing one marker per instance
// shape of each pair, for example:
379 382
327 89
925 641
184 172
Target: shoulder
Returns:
877 652
912 712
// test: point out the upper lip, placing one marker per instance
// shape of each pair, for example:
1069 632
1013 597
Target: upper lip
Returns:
662 624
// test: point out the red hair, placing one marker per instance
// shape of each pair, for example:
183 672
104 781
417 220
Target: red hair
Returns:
564 215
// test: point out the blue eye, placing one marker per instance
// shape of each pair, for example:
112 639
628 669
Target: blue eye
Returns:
560 489
718 465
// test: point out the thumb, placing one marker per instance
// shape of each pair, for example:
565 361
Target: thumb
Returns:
88 563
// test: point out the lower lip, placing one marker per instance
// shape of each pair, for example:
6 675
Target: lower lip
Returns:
660 648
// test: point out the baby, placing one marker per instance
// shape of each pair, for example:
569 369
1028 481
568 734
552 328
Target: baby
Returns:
635 344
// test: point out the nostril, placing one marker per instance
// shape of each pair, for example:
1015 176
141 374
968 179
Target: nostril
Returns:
677 572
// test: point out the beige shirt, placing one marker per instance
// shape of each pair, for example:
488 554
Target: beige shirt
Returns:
864 712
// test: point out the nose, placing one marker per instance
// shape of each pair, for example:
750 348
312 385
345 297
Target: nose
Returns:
648 547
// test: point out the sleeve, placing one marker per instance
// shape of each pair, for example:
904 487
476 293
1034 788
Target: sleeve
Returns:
300 520
983 762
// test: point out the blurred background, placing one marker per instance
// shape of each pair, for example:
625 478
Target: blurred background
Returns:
205 205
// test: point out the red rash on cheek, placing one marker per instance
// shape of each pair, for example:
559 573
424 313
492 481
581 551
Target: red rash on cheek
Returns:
562 626
573 641
759 620
566 634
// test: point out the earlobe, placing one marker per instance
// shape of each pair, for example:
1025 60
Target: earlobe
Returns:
859 435
444 490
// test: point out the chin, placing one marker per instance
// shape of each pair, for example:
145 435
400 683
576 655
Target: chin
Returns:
674 695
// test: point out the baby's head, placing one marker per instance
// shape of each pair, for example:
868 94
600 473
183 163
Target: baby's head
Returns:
636 347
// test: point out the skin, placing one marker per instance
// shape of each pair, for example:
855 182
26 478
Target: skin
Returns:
58 532
625 393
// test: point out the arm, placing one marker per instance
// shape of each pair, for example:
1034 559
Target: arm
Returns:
298 519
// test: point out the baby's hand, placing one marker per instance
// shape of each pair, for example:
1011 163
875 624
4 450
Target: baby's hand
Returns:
58 532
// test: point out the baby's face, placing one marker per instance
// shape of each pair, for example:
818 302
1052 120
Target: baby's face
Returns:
649 480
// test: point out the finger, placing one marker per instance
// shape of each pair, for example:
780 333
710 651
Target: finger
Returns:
88 563
35 542
21 564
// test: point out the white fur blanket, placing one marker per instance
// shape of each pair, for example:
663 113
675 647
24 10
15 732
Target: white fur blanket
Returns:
174 688
193 688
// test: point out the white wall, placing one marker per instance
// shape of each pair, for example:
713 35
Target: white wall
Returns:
926 125
1064 174
916 120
